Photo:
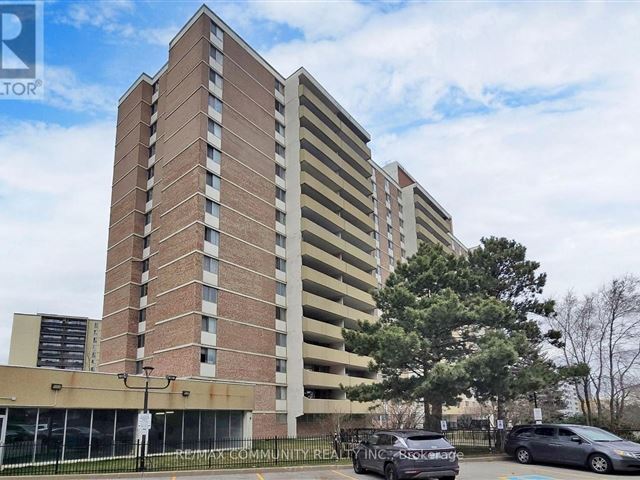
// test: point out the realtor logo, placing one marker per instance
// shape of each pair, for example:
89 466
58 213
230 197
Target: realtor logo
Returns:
20 49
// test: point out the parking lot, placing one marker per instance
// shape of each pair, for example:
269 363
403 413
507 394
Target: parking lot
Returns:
495 470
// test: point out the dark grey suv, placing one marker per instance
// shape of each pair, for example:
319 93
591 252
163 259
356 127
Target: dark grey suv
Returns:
407 454
577 445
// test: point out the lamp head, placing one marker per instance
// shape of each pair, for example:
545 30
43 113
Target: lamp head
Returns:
123 376
171 378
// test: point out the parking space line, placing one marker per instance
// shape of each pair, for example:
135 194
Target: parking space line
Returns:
344 475
260 477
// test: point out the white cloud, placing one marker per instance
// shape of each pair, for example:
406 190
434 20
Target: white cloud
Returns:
109 15
65 91
54 197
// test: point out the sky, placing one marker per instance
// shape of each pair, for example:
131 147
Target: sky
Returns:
521 118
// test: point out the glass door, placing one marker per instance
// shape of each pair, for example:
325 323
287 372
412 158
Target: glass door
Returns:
3 432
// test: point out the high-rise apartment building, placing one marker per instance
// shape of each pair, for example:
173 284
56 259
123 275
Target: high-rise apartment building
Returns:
248 226
58 341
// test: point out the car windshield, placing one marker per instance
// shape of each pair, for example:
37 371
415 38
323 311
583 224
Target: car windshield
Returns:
427 441
596 434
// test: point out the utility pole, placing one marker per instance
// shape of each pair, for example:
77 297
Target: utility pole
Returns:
146 388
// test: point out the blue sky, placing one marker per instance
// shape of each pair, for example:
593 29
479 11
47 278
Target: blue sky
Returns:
520 118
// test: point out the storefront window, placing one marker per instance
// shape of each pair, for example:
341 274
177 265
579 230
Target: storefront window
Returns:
77 434
102 433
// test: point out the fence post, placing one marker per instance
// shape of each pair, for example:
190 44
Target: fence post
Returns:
137 455
57 457
489 437
276 450
209 454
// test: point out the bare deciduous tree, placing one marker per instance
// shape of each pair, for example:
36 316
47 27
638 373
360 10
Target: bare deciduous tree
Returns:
602 330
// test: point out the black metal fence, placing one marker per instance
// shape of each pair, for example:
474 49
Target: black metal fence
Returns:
56 458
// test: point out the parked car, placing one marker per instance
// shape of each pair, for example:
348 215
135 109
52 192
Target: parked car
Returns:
578 445
407 454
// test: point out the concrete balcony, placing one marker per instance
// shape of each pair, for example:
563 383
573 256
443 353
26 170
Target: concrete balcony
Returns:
335 182
428 211
320 105
327 263
330 286
331 243
330 380
331 221
322 307
336 203
349 154
350 174
425 235
331 356
320 405
321 331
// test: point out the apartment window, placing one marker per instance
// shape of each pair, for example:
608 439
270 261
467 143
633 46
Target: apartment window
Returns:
146 241
209 294
281 365
141 340
212 208
281 240
386 185
147 218
279 107
377 254
138 367
215 78
152 150
156 86
149 194
281 289
216 30
376 235
142 315
208 355
154 107
215 129
281 418
280 171
281 194
209 324
375 219
279 86
387 198
379 270
281 264
399 206
215 103
389 229
153 129
281 217
151 172
279 149
144 289
280 128
213 154
401 223
402 237
145 265
212 236
403 253
281 314
215 54
210 265
281 393
213 180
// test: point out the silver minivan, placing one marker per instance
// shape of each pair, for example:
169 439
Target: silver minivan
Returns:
577 445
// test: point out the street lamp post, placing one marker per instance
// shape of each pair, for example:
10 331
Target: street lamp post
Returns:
146 388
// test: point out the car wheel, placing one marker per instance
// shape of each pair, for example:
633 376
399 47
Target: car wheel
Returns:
357 466
523 455
448 478
390 472
599 463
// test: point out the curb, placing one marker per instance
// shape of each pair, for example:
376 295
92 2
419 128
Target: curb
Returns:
212 473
